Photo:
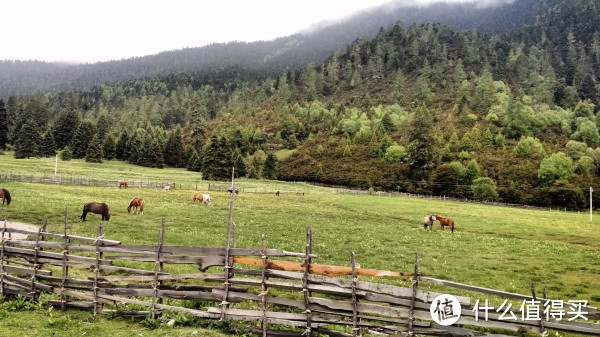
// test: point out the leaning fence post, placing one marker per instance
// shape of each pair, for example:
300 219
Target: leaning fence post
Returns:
65 267
415 285
543 331
35 262
97 268
227 268
161 238
2 260
307 261
263 288
355 328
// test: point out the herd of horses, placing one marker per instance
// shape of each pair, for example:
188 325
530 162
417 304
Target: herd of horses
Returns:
136 205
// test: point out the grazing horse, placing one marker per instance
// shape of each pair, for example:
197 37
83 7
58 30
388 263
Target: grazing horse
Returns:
277 193
137 204
445 222
233 189
167 188
428 221
123 184
96 207
204 198
300 193
5 195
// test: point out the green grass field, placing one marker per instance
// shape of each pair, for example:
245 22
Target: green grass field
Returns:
496 247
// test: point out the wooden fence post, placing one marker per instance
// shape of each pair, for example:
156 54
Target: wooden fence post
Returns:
228 264
307 261
355 328
543 331
415 285
2 260
35 263
263 288
65 267
97 268
161 265
161 238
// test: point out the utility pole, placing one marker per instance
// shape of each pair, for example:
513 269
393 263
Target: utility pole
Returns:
55 165
591 190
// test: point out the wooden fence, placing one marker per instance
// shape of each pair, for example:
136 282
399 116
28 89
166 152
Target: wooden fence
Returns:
286 288
82 181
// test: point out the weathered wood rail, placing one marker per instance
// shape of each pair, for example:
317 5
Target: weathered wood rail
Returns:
82 181
305 296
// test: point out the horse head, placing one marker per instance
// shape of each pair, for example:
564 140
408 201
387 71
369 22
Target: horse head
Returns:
433 217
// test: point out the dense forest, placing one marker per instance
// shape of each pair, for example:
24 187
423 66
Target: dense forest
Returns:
419 107
262 58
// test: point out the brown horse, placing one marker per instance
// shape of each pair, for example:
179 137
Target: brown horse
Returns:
123 184
204 198
96 207
5 195
137 204
445 222
233 189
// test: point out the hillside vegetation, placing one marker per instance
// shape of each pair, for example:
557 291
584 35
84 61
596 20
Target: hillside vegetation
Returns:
420 108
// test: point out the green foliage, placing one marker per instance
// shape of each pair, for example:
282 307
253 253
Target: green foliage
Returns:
395 153
421 153
556 167
484 189
238 163
28 140
530 147
122 148
575 149
174 150
66 125
94 153
3 125
109 147
66 154
48 147
472 171
270 167
585 165
216 160
587 131
194 162
81 140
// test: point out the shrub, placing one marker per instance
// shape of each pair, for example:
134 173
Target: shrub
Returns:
556 167
484 189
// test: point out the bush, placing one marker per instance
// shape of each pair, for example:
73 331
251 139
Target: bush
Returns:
66 154
529 147
484 189
395 153
556 167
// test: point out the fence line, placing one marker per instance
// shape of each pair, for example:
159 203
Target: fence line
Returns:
83 181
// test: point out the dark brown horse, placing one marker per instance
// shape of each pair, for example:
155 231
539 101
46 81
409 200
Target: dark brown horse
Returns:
137 204
445 222
96 207
5 195
233 189
123 184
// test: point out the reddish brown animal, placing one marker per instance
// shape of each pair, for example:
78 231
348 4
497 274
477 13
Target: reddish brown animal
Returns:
137 204
203 198
123 184
95 207
5 195
445 222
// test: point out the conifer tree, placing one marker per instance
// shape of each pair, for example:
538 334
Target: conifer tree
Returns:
238 162
421 153
81 141
122 149
66 126
174 151
48 147
3 125
270 167
194 162
94 154
28 140
109 147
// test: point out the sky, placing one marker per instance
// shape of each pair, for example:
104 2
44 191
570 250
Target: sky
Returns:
101 30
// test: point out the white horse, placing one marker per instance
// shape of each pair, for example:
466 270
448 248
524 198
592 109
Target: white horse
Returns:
428 221
167 188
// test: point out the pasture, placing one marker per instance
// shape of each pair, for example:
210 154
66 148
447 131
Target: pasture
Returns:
495 247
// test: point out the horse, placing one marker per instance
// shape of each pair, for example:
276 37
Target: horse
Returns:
300 193
137 204
96 207
167 188
123 184
5 195
445 222
230 189
428 221
277 193
204 198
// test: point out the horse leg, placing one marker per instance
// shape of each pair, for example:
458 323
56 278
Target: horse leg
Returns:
82 217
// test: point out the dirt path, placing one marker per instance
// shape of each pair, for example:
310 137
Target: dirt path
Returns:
17 225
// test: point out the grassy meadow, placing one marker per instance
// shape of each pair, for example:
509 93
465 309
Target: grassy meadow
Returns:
496 247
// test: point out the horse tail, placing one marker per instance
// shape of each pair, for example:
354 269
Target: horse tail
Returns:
142 203
7 196
208 199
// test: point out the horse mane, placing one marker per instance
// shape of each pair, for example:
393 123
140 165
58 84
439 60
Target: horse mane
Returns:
130 205
6 195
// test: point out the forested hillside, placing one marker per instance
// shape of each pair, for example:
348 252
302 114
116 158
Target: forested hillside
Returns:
262 58
419 107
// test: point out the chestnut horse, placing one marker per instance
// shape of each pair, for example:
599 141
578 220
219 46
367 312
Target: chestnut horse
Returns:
445 222
137 204
123 184
204 198
428 221
5 195
96 207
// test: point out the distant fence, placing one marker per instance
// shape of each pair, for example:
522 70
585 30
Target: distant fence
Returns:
82 181
344 306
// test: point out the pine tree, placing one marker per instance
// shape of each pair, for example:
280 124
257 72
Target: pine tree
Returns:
174 151
28 140
109 147
216 160
122 148
94 154
194 162
48 147
154 154
238 163
421 153
66 126
3 125
81 140
254 171
102 127
270 167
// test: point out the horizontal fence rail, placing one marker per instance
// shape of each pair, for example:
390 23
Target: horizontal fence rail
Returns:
83 181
